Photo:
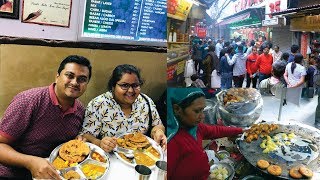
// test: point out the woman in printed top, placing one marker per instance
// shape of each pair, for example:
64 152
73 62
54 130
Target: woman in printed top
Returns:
295 73
251 68
122 109
185 130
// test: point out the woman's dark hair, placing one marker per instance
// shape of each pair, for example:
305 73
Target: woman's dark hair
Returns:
188 101
297 59
285 56
222 52
75 59
119 71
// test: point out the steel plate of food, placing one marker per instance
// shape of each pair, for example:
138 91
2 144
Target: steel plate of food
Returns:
286 150
144 150
76 159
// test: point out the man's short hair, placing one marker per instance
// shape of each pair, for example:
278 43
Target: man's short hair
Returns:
75 59
294 48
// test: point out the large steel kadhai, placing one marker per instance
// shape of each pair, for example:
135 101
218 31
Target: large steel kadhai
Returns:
304 153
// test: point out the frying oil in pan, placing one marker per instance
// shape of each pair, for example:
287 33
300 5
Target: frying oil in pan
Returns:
291 148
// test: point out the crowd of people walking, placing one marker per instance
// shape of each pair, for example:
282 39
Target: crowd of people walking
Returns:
238 62
254 64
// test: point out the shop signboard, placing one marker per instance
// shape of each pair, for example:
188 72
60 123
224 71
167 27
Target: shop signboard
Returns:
245 4
179 9
125 22
306 23
275 21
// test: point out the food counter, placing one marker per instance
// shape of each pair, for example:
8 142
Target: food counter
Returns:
177 54
243 155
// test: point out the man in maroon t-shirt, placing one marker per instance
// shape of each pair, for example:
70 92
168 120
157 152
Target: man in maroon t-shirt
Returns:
39 119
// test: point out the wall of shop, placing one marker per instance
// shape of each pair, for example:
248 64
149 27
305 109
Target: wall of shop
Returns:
25 66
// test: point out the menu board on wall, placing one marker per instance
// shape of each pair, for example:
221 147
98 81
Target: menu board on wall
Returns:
141 22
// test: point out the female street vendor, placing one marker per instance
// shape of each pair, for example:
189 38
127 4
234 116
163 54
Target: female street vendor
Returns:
186 157
122 109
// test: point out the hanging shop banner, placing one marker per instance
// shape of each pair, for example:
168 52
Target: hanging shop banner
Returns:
201 30
54 13
306 23
179 9
241 5
304 44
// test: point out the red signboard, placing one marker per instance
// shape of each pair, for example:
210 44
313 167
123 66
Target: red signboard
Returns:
170 71
201 32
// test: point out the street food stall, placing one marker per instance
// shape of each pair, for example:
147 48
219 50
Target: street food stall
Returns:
267 150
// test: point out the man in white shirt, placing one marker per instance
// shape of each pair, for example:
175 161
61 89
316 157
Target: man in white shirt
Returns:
276 53
219 47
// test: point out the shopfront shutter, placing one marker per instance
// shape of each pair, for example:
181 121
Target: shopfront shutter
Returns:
282 36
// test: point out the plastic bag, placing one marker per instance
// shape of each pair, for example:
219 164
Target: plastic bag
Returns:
189 68
215 80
